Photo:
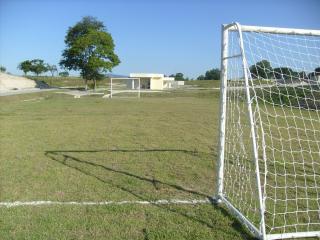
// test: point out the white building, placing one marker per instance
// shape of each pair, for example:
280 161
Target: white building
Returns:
153 81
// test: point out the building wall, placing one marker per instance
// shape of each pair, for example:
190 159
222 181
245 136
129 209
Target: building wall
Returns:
156 84
132 84
167 84
180 83
145 83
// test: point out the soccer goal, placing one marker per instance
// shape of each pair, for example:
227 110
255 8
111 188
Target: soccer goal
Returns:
125 87
269 146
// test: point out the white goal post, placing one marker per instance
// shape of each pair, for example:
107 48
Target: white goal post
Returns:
269 134
125 85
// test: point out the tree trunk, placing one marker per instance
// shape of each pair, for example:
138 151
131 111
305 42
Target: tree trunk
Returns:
86 84
95 84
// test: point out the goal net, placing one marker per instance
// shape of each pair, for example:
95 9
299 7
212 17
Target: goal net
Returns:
124 87
269 159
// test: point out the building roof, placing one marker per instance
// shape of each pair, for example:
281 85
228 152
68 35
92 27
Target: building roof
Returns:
147 75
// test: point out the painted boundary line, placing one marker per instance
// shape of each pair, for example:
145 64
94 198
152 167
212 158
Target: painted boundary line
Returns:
156 202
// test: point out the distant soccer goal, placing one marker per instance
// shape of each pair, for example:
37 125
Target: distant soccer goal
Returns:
125 87
269 148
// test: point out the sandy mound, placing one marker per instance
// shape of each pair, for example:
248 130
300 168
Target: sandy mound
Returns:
11 82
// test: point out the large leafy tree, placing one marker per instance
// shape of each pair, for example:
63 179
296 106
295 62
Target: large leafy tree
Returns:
25 66
90 50
262 69
38 66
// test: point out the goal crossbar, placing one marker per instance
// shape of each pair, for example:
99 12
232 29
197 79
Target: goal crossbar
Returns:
275 30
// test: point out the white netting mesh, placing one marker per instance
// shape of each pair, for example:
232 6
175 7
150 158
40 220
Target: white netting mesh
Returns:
284 79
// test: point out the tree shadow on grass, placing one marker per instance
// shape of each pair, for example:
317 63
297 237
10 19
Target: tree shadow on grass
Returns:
65 158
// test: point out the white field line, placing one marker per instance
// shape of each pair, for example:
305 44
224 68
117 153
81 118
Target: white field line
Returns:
156 202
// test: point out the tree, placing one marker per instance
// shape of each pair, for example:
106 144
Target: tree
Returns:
64 74
2 69
25 66
261 69
178 77
285 73
213 74
201 77
38 66
52 69
89 49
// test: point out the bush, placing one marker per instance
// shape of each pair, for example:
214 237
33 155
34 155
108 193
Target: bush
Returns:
2 69
63 74
292 96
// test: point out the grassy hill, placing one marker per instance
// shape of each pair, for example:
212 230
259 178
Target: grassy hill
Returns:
68 81
204 83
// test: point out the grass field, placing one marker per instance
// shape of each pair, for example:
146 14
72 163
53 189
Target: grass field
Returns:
204 83
69 81
162 146
79 82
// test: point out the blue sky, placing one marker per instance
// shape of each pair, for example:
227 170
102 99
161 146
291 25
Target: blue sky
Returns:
166 36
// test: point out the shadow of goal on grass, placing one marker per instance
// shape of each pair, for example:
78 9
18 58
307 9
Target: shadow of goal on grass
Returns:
65 158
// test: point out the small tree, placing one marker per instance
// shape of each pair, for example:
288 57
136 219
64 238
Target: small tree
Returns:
213 74
38 66
2 69
25 66
261 69
178 76
63 74
286 74
52 69
90 49
201 77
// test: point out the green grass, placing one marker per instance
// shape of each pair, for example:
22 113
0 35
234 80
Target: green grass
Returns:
162 146
204 83
216 83
68 81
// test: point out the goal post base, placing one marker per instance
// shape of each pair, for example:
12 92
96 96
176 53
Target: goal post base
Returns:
253 229
293 235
